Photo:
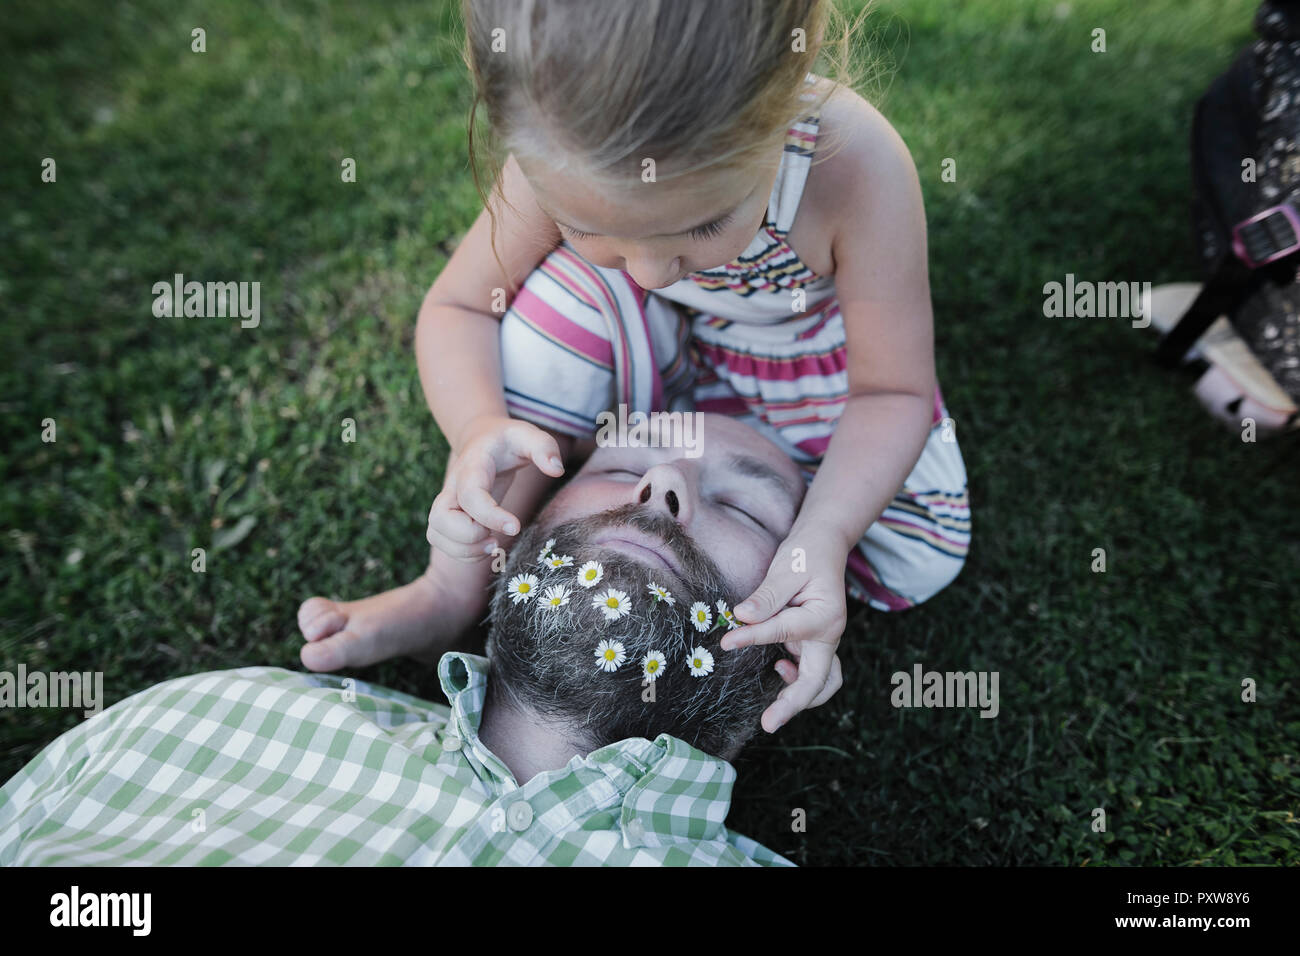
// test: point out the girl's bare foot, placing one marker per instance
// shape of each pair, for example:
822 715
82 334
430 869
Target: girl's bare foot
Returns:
422 619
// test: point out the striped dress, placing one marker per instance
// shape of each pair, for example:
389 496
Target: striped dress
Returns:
760 339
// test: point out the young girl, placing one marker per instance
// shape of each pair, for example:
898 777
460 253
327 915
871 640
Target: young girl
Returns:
684 237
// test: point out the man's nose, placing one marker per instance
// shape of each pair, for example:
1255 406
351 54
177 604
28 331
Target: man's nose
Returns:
667 488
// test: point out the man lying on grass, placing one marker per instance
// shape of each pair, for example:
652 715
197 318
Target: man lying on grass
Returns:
598 729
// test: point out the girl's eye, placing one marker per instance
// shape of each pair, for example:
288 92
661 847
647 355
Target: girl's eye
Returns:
710 231
622 471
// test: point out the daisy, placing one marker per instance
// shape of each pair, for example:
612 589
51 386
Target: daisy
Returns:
610 655
557 561
589 574
542 555
726 615
555 597
613 603
701 616
661 594
700 662
652 665
522 587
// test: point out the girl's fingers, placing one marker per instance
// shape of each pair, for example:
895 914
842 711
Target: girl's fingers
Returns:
475 499
454 525
788 670
790 624
815 668
469 553
833 684
544 452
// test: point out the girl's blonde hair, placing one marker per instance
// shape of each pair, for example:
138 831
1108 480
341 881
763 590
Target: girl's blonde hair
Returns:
594 87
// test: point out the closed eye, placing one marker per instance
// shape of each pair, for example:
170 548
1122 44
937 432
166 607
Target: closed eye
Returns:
709 231
728 504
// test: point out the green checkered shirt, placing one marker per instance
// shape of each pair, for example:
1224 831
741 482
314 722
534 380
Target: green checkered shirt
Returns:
262 765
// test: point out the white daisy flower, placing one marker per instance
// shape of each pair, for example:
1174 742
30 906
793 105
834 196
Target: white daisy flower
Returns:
661 594
555 597
726 615
652 665
589 574
522 587
700 662
545 552
557 561
610 656
613 603
701 616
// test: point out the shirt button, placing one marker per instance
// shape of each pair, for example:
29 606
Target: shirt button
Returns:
520 815
451 743
635 830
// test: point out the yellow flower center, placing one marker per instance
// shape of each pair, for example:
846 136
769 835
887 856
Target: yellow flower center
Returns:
609 654
652 666
591 573
523 587
611 602
698 662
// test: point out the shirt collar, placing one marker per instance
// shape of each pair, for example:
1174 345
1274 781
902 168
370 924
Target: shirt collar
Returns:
671 792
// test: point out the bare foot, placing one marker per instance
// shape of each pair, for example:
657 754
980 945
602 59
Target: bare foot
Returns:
1228 401
422 619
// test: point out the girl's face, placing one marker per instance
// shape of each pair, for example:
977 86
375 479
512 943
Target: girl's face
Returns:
657 233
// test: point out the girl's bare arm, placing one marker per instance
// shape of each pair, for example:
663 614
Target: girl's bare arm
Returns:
457 347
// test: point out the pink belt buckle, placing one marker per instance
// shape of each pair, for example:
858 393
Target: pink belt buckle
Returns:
1267 236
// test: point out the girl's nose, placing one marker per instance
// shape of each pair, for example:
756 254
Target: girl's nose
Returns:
654 275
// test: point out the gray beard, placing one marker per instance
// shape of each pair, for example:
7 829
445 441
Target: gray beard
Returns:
545 661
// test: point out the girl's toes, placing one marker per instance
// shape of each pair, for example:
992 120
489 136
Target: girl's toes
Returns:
339 650
319 617
323 656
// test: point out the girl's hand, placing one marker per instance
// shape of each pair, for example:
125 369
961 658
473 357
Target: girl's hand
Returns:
801 604
465 514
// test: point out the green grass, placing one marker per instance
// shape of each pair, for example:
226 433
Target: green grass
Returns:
1119 690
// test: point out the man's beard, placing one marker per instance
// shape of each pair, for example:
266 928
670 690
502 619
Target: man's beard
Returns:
545 660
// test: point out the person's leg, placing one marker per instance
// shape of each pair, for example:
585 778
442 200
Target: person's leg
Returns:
576 341
790 382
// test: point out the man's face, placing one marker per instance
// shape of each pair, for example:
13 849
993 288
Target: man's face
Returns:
734 504
704 529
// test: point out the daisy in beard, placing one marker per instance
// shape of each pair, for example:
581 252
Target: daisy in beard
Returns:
652 665
700 662
589 574
554 598
701 616
610 656
661 594
557 561
522 587
614 604
725 615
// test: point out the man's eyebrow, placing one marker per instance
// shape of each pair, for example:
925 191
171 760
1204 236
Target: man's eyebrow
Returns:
707 222
752 467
